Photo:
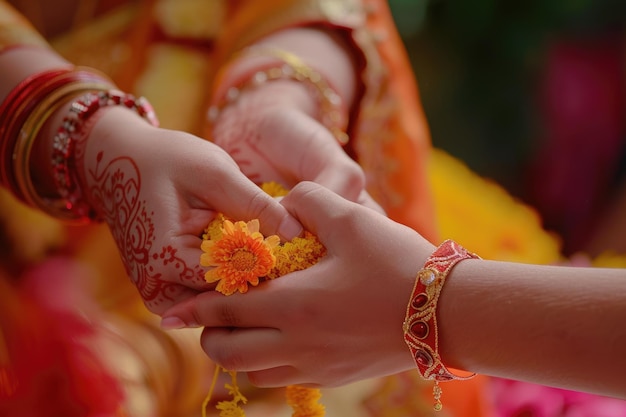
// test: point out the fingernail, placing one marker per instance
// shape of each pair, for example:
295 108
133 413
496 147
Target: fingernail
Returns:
171 323
289 228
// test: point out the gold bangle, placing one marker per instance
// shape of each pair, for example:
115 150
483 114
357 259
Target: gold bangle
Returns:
331 109
29 133
23 99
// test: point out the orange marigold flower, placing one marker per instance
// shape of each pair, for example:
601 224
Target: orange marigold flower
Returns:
240 257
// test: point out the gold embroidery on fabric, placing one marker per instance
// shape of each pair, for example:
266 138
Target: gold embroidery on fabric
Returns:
348 13
374 133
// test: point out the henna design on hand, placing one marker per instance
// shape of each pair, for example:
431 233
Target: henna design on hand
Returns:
115 193
234 135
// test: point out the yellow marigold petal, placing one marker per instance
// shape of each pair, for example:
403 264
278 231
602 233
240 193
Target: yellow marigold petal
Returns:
214 230
296 255
253 226
224 288
228 227
272 241
207 245
206 259
211 276
304 401
274 189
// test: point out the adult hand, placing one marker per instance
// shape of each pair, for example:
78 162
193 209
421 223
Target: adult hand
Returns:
333 323
158 189
271 133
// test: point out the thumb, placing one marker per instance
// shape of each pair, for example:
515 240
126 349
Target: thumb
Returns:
244 200
316 206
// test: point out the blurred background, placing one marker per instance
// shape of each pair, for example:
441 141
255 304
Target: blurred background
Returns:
529 94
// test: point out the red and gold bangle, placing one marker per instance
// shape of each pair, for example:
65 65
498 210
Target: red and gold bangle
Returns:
420 324
25 98
13 111
73 129
332 112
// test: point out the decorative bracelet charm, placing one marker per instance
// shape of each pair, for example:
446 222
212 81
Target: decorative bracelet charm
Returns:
420 324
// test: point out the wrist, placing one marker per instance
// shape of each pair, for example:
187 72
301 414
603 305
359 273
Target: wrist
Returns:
63 146
280 94
256 67
421 329
114 131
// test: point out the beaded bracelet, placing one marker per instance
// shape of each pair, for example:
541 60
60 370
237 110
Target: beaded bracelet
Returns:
72 129
420 323
331 109
26 189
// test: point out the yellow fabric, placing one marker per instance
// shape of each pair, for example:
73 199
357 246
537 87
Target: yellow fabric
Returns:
15 30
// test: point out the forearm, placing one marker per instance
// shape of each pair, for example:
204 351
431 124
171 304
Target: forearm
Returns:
19 63
318 33
39 132
323 49
550 325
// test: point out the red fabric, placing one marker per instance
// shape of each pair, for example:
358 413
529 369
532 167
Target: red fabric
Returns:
46 368
583 107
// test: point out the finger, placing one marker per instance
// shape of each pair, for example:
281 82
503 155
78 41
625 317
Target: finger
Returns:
366 200
179 262
319 158
241 199
161 296
244 350
280 376
338 173
256 308
313 205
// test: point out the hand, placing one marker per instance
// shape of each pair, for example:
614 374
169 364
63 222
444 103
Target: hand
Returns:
334 323
158 189
271 134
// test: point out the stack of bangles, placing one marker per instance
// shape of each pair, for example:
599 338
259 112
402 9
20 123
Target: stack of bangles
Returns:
420 325
28 107
332 111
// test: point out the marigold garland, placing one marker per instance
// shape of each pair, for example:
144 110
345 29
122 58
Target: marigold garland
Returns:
239 256
304 401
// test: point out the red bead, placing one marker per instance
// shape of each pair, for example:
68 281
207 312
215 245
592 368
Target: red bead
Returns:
423 358
419 301
419 329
